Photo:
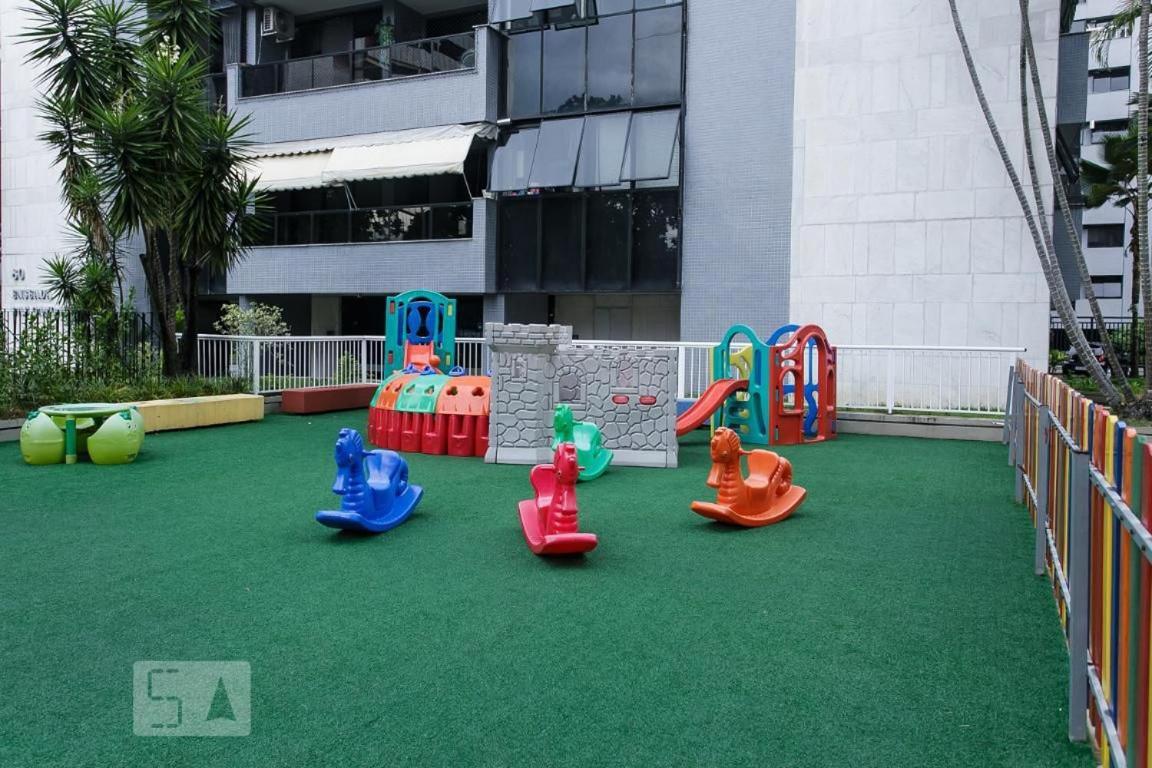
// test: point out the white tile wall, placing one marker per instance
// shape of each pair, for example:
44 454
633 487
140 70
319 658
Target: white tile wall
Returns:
31 216
905 229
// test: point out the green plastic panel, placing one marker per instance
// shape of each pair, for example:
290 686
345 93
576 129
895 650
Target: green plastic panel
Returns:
420 394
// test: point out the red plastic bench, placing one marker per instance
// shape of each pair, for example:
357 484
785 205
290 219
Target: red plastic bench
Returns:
326 399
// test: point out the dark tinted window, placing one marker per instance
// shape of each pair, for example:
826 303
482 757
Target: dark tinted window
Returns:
612 6
651 141
658 38
512 162
1105 235
556 152
523 77
610 63
607 248
656 240
518 243
602 150
563 71
562 247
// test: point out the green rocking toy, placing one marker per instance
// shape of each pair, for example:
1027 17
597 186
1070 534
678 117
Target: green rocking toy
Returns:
593 457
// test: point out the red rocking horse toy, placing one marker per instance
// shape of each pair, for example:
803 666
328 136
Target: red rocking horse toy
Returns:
765 497
551 521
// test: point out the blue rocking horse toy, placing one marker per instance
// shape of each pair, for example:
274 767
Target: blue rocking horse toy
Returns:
373 487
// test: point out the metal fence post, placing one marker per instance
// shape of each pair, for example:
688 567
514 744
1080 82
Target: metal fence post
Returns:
682 364
363 359
255 366
1076 571
1018 454
890 394
1007 437
1045 436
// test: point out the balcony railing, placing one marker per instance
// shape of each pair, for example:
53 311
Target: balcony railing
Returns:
416 57
447 221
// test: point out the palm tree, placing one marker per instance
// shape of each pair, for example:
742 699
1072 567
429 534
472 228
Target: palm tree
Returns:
1114 181
138 147
1048 264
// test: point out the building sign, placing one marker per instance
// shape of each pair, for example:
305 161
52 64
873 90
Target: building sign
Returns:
30 294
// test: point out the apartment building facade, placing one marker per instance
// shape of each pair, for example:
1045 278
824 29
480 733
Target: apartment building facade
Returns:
1110 88
650 169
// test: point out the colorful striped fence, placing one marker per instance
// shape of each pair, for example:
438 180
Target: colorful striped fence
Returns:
1082 473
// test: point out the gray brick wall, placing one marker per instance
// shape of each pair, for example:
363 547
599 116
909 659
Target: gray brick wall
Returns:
737 166
447 266
445 98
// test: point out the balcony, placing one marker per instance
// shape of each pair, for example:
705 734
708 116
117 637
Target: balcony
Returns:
384 250
416 84
449 53
441 221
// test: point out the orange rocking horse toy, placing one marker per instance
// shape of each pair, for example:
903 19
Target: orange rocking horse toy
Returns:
765 497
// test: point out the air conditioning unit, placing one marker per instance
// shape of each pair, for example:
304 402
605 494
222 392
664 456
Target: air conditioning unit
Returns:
279 23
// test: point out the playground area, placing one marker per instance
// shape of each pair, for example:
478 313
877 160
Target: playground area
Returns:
893 620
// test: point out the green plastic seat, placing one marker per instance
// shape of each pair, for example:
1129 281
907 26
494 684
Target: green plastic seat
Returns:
41 441
594 458
118 440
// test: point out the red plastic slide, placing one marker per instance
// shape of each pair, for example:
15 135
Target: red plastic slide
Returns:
712 399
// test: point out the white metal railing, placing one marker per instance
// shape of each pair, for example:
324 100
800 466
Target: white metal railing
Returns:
871 377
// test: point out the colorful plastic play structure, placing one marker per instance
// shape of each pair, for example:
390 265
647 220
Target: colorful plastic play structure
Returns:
107 433
764 497
426 404
784 391
593 457
551 520
375 495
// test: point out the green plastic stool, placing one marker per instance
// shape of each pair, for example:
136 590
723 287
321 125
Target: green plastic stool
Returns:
41 441
594 458
118 440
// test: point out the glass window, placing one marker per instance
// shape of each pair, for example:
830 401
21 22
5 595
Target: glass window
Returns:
655 3
605 7
602 150
523 76
650 142
607 248
563 71
556 152
658 47
513 161
1108 286
519 233
610 63
655 240
508 10
1105 235
562 265
544 5
1108 80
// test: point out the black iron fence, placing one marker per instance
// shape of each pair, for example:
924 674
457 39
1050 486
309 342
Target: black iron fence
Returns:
80 344
415 57
1120 329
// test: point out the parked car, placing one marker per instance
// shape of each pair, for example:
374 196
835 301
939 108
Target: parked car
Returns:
1073 365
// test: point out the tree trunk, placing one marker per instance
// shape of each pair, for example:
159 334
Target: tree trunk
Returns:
1134 306
1028 53
157 295
1142 194
191 332
1055 283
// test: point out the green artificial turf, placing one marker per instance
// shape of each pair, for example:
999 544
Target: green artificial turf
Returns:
894 621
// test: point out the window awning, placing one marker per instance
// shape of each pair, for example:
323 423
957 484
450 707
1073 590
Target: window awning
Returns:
283 172
396 154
